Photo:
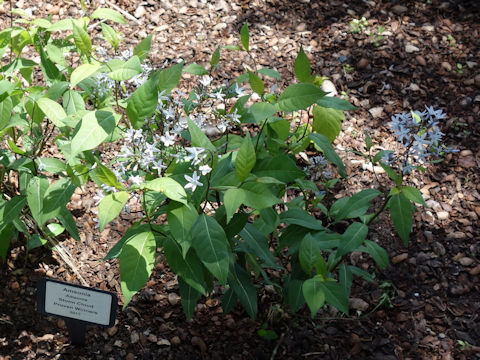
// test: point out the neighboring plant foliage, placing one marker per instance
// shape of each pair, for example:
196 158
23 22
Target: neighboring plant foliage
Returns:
216 170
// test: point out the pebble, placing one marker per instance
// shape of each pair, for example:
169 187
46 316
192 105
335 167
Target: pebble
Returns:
409 48
428 27
363 63
301 27
175 341
130 356
173 298
438 248
421 60
112 331
442 215
152 338
163 342
15 285
399 258
376 112
466 261
399 9
140 12
446 66
475 271
467 162
477 80
466 153
414 87
456 235
358 304
134 337
435 205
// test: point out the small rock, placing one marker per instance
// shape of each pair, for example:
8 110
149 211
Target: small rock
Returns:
446 66
358 304
173 299
301 27
152 338
456 235
438 248
414 87
329 88
466 261
475 271
363 63
421 60
466 102
163 342
428 27
409 48
175 341
46 337
15 285
134 337
139 12
459 289
442 215
477 80
118 343
112 331
376 112
435 205
342 59
399 9
467 162
466 152
198 342
130 356
399 258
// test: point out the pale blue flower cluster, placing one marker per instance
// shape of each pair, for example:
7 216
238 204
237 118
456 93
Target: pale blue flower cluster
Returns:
420 133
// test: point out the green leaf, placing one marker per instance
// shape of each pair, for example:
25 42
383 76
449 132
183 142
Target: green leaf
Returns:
82 72
195 69
143 48
377 253
352 238
130 233
55 229
299 97
241 283
335 295
245 160
355 204
302 67
211 245
110 35
108 14
142 103
36 189
73 102
257 244
95 127
258 196
256 83
169 78
82 40
181 218
128 70
271 73
413 194
67 220
7 232
313 294
327 122
56 198
392 174
62 25
262 111
6 107
136 263
281 167
198 138
110 206
232 199
309 253
166 185
215 57
294 294
52 110
10 210
189 297
324 143
300 217
35 242
189 267
107 176
245 36
401 214
229 301
345 278
335 103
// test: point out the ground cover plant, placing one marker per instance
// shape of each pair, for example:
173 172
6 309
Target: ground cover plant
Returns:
236 206
236 179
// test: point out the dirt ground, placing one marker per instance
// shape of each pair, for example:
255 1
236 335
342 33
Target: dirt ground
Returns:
425 305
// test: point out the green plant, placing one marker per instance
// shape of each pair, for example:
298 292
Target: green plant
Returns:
358 25
348 68
377 36
233 208
451 39
459 69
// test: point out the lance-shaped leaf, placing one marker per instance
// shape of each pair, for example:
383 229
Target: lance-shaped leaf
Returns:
245 160
169 78
52 110
211 245
82 40
166 185
110 35
241 283
329 152
294 294
299 97
335 295
327 121
136 263
108 14
401 214
9 210
142 103
37 187
245 36
189 297
82 72
256 83
309 253
143 48
302 66
257 244
199 139
377 253
232 199
56 198
128 70
301 217
352 238
180 219
110 206
313 294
